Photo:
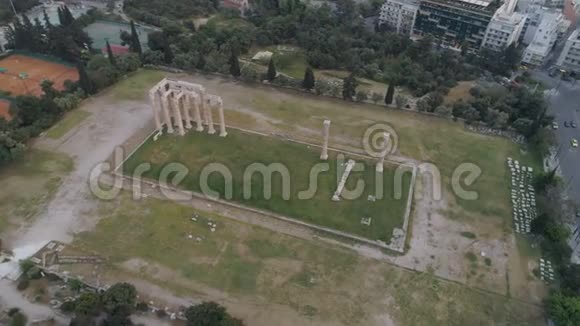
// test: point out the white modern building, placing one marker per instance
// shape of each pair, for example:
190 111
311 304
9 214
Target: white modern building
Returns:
543 37
505 27
399 15
536 14
570 57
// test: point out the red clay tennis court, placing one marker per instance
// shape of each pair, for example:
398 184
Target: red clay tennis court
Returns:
21 74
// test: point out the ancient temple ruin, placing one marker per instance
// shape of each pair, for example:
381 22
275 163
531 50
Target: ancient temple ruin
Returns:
177 104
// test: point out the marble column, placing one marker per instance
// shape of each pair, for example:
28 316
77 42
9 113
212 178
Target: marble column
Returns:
203 107
196 114
325 133
386 137
155 104
165 106
186 107
210 126
223 131
177 114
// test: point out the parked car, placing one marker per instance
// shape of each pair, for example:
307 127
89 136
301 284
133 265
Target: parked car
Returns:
566 124
554 125
574 142
573 124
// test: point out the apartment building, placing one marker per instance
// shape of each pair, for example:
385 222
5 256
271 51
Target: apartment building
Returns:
454 22
544 38
505 27
570 57
399 15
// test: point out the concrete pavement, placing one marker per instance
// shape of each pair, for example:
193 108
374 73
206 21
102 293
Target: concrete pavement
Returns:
564 104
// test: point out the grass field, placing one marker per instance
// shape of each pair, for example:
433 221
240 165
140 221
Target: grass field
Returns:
135 87
240 149
436 140
440 141
70 120
255 272
28 183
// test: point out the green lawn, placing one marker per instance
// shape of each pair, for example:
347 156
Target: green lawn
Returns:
70 120
291 63
222 21
239 149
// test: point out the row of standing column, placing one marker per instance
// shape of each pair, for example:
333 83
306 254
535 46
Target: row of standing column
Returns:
161 102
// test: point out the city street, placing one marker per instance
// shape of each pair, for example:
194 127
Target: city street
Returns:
564 104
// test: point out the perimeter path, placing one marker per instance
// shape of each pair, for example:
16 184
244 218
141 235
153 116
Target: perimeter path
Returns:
109 125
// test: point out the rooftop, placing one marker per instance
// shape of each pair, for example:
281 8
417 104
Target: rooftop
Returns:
488 6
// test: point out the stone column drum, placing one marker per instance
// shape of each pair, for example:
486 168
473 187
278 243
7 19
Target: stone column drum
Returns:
325 133
165 106
386 137
223 131
155 104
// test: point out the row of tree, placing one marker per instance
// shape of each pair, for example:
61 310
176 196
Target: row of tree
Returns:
115 306
554 214
67 40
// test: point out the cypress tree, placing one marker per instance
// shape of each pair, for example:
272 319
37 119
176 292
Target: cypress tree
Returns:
271 75
349 87
67 16
390 93
47 22
235 65
110 55
60 16
308 82
200 63
84 80
167 52
135 45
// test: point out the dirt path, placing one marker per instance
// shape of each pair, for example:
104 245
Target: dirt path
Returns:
88 144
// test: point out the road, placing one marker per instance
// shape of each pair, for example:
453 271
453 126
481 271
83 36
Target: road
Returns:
564 104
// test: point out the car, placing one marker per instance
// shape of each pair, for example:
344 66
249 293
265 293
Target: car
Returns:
577 213
554 125
566 124
573 124
574 142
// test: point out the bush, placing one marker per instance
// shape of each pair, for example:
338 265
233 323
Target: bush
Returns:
26 265
19 319
34 273
13 311
23 284
74 284
160 313
400 101
142 306
68 307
